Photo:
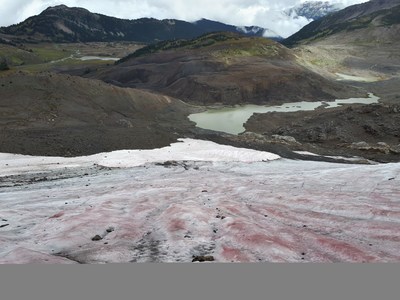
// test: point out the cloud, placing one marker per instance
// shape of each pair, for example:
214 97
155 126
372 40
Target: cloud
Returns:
263 13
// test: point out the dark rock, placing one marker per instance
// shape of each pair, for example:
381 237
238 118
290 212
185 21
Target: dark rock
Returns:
369 129
203 258
168 164
285 138
97 238
5 225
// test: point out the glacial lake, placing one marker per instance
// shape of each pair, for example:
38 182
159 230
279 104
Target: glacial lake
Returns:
232 119
85 58
98 58
346 77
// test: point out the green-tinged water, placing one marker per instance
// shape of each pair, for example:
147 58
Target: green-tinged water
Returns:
232 119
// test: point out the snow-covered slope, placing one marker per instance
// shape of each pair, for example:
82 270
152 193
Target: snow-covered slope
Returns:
228 203
186 149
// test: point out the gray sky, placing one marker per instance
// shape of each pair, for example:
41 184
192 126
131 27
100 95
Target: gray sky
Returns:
264 13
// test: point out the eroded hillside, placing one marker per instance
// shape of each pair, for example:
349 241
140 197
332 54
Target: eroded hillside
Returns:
223 68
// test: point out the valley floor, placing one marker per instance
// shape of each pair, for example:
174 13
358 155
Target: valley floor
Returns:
174 204
197 199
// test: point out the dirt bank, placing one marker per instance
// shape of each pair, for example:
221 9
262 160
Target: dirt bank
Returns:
60 115
371 131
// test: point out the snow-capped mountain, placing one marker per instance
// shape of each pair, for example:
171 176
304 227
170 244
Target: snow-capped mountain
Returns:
314 10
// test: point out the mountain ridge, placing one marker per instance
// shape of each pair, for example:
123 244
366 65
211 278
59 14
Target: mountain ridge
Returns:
375 13
73 24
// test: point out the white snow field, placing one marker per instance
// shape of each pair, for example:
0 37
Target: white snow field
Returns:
196 198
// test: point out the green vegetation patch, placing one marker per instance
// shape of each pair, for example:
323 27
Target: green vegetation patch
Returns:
31 54
200 42
50 54
393 17
252 50
34 68
3 64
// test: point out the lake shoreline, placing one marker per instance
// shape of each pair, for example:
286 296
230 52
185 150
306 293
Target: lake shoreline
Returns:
232 119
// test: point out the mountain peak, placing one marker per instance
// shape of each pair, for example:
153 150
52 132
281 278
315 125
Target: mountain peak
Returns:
61 6
56 7
314 10
62 9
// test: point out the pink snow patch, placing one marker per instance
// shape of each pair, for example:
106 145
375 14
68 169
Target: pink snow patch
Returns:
233 210
27 256
58 215
234 255
344 250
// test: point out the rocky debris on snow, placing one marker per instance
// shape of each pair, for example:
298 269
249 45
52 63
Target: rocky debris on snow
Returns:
274 210
203 258
110 229
97 238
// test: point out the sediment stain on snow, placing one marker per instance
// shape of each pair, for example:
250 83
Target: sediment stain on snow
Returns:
238 207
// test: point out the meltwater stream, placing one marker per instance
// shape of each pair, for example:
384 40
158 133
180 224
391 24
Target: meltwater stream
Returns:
232 119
